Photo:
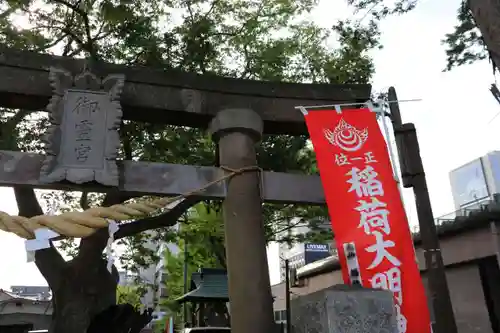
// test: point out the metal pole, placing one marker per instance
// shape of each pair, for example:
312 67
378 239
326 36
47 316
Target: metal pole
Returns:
392 156
287 297
184 305
413 175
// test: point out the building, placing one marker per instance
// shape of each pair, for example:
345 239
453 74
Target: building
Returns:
155 277
300 254
36 292
469 249
24 313
161 272
125 279
476 182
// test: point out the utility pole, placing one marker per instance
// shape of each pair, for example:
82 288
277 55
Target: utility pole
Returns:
287 297
412 172
184 306
495 92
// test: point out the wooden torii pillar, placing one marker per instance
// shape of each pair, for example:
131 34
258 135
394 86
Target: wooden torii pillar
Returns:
237 131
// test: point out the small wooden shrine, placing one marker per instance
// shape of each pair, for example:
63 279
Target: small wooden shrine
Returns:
209 297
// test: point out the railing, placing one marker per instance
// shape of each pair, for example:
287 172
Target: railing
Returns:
464 212
450 218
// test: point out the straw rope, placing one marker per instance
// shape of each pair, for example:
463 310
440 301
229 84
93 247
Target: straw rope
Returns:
83 224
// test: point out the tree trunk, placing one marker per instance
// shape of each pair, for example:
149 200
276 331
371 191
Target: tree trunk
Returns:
82 287
486 14
85 290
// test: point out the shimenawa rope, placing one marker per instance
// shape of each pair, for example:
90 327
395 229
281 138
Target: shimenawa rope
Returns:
83 224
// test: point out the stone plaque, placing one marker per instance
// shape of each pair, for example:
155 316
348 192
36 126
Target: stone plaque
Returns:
82 142
344 309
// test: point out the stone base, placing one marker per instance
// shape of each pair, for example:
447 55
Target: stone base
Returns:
344 309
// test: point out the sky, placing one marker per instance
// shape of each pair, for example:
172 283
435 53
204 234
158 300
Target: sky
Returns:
453 120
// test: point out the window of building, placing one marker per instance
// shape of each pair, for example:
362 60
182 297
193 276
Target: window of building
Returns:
280 316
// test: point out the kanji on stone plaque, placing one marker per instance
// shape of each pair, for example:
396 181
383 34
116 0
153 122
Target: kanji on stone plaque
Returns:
82 141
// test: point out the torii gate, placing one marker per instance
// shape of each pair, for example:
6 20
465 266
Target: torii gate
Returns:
238 111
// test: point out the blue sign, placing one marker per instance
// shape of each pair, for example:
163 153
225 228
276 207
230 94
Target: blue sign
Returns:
316 248
314 252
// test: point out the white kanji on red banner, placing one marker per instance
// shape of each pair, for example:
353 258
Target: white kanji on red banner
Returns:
400 319
389 280
373 215
341 159
364 182
368 211
380 249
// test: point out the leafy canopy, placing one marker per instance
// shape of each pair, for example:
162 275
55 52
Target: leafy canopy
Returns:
262 40
128 295
463 45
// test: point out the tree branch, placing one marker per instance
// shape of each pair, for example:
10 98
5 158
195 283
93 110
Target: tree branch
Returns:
49 261
52 44
127 142
115 198
92 246
90 43
84 200
64 30
219 250
288 227
7 13
167 219
16 119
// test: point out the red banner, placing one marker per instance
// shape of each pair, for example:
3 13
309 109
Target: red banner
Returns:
368 218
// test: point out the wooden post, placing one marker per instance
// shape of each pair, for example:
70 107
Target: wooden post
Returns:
287 297
237 131
413 175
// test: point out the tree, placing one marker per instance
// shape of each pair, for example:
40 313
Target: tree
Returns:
263 40
203 233
128 295
463 46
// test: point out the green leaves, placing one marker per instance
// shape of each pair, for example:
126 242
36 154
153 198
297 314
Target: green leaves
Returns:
116 14
19 4
464 45
379 9
129 295
251 39
203 233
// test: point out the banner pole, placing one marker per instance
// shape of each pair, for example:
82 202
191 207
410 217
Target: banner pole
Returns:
392 155
414 176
